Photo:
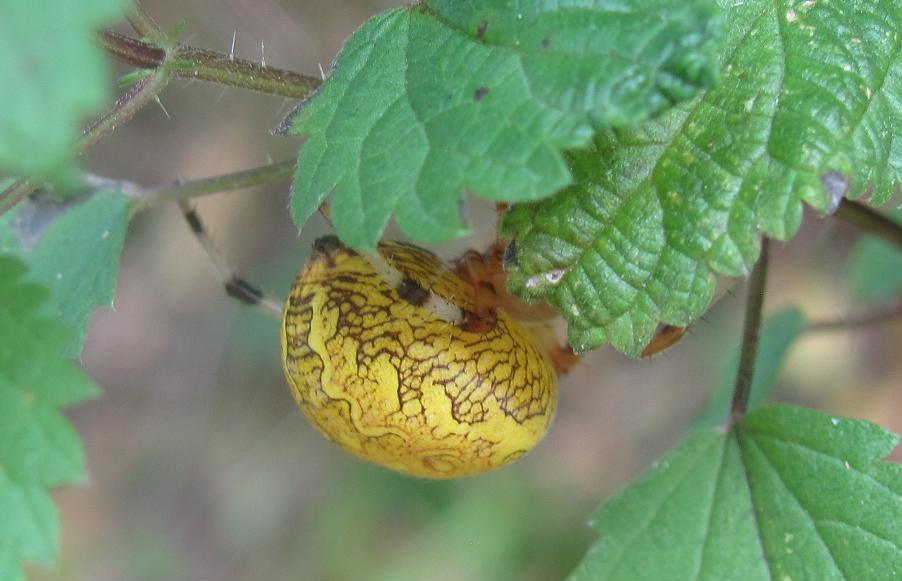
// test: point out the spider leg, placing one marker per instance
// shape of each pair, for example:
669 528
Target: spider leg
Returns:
562 356
235 286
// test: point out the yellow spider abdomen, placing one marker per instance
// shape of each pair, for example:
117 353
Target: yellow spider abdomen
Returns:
380 374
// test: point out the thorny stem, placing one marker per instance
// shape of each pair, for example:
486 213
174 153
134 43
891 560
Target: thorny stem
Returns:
259 176
196 63
870 220
124 109
753 310
129 103
181 61
876 316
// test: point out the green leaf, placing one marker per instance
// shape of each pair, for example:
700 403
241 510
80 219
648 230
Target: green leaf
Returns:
807 109
778 333
432 101
875 268
790 494
38 447
53 76
72 248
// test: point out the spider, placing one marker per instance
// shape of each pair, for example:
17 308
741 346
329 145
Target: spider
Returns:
426 367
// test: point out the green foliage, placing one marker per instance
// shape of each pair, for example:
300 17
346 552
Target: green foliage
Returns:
72 247
778 333
807 110
492 527
38 447
875 268
432 101
53 76
789 494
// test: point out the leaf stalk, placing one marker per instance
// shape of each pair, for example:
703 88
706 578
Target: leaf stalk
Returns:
754 308
871 221
182 190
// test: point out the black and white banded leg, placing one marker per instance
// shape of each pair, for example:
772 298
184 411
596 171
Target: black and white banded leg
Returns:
235 286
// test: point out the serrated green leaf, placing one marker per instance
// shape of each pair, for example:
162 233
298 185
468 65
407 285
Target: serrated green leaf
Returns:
875 268
430 102
778 333
72 248
790 494
807 109
54 75
38 447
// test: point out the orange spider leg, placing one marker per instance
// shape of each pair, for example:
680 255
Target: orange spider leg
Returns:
485 272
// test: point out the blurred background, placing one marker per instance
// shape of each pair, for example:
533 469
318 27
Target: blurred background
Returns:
201 467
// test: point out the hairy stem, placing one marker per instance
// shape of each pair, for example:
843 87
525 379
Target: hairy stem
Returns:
124 109
129 103
132 51
754 307
196 63
259 176
870 221
142 22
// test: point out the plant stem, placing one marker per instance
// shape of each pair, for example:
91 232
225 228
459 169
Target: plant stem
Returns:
876 316
15 193
132 51
183 190
753 310
129 103
196 63
870 220
142 22
124 109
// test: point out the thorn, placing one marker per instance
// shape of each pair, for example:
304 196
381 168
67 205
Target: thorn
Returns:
232 50
160 103
322 73
263 53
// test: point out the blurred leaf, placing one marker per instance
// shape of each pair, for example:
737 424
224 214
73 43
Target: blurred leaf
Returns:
778 334
790 494
38 447
875 268
479 537
807 110
490 528
53 75
72 248
429 102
